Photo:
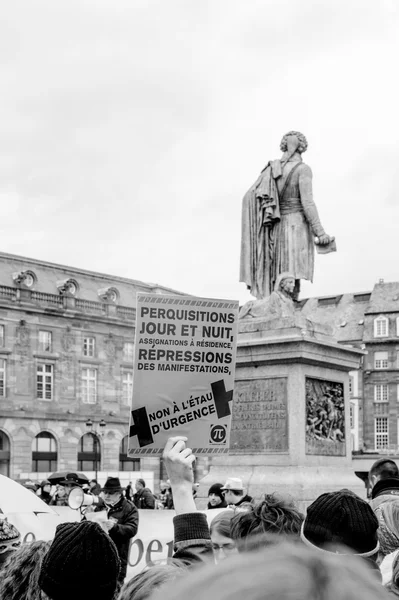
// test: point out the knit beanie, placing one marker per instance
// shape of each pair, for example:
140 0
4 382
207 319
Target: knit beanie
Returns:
82 563
216 489
10 538
341 519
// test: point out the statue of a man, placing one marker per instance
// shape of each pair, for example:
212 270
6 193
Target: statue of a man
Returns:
280 222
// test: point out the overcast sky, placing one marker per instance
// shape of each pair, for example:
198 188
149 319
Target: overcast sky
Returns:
131 129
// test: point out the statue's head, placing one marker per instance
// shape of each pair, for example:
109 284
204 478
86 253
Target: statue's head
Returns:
289 139
285 283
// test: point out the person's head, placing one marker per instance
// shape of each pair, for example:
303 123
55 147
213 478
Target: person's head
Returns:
71 480
93 483
10 540
341 522
233 490
112 491
215 495
280 573
82 563
387 514
61 491
143 585
222 542
20 573
289 142
285 283
139 485
384 468
45 486
32 487
273 515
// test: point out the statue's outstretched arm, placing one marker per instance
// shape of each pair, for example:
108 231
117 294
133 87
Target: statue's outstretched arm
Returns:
309 207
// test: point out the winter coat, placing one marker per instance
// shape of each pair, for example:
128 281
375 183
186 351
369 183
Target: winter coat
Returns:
144 499
126 527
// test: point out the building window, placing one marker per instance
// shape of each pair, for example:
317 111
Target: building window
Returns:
127 387
44 453
381 392
128 351
89 346
89 385
5 454
89 453
3 374
44 381
381 433
45 341
126 463
2 336
381 326
380 360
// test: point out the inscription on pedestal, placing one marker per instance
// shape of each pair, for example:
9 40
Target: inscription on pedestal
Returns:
260 420
325 418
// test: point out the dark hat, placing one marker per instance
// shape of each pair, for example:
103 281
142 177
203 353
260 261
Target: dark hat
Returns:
45 482
216 489
71 478
10 538
82 563
341 519
112 485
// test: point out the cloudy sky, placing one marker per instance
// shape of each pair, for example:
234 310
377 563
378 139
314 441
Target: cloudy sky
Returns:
131 129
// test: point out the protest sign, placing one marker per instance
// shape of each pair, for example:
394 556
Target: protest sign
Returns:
184 365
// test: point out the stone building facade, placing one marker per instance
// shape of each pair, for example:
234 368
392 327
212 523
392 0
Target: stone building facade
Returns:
66 362
370 321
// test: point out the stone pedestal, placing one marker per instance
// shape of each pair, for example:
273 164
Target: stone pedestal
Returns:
286 372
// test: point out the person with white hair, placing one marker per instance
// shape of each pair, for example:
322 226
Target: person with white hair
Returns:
235 493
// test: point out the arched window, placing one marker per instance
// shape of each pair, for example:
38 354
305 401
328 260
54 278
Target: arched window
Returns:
126 463
4 454
44 453
381 326
89 453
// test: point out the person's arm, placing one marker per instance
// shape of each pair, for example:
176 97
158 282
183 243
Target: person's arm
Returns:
192 541
309 207
127 529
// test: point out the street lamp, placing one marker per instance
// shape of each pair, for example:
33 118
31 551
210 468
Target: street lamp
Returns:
89 428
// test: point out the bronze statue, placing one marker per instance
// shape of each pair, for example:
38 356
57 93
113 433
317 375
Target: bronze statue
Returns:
280 222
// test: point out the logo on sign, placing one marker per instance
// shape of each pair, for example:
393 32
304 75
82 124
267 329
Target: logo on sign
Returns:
218 434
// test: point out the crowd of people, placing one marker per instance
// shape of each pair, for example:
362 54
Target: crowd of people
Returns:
343 548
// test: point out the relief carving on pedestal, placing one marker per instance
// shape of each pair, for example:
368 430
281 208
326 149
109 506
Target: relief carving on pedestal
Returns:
325 417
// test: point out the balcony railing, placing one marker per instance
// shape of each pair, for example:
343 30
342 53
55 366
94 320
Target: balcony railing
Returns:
90 306
46 298
125 312
8 292
43 299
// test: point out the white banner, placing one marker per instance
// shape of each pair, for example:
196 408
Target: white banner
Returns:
153 542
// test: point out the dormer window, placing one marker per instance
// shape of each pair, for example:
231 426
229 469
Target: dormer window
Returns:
381 326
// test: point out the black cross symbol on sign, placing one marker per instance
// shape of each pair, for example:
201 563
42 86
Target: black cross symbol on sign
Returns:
141 427
222 398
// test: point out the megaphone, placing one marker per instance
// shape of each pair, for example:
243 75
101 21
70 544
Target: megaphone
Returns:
77 498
